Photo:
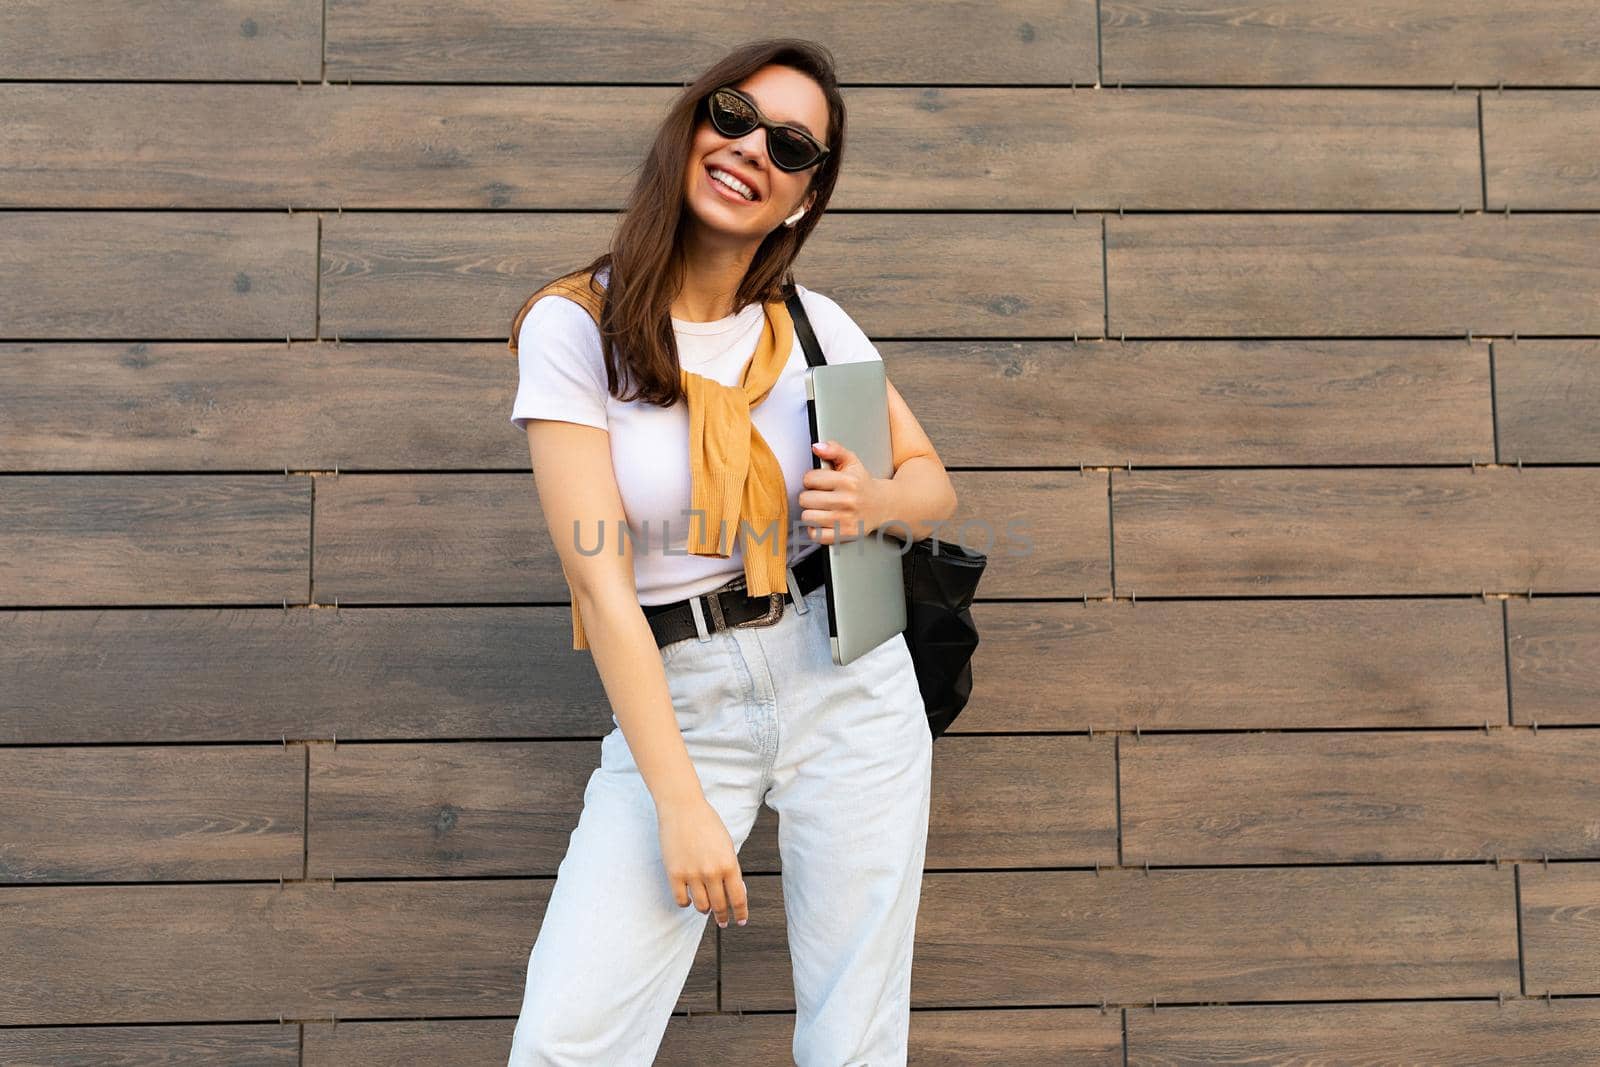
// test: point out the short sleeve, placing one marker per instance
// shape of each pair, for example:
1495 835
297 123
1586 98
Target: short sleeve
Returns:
842 340
561 370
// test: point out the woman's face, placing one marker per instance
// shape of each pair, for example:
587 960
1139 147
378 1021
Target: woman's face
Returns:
784 95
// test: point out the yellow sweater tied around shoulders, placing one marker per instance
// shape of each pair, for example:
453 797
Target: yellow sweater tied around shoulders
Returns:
737 485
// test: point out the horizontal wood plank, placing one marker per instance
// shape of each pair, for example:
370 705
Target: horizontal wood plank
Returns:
445 810
165 40
1551 1032
1546 394
1561 927
1075 937
112 954
463 274
1245 665
1026 41
316 405
574 148
1222 403
397 405
1356 532
1533 150
271 675
104 539
1553 649
1360 797
157 275
147 814
1346 275
237 1044
1325 42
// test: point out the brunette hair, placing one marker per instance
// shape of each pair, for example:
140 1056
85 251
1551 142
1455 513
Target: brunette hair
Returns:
645 258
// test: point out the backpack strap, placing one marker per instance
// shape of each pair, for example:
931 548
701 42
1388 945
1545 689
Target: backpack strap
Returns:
802 329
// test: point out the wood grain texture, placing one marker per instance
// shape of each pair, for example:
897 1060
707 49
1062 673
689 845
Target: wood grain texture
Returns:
1553 649
430 810
1356 532
1013 938
574 148
102 539
1394 796
396 405
1560 926
1045 532
1546 394
1026 41
198 406
161 40
265 675
152 813
1325 42
1349 275
1533 150
112 954
388 276
1236 665
236 1044
455 538
149 276
1227 403
1551 1033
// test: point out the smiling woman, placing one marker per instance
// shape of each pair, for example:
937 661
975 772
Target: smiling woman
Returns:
661 383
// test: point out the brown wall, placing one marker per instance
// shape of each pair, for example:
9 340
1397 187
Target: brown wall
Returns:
1277 324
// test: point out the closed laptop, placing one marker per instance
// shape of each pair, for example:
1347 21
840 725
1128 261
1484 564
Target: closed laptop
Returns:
849 403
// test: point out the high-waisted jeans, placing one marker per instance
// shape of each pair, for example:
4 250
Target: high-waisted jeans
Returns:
844 756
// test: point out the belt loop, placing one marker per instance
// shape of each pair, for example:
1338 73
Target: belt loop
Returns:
699 618
800 605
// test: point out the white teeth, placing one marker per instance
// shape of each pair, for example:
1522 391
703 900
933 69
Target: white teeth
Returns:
718 174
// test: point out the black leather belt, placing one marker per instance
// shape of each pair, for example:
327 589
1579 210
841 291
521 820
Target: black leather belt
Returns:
729 605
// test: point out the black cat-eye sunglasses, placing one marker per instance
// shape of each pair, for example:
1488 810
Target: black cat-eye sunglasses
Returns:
734 114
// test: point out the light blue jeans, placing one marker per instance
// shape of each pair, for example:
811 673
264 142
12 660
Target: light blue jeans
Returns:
844 756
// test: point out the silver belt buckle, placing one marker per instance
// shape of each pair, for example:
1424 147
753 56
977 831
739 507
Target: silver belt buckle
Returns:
774 606
774 612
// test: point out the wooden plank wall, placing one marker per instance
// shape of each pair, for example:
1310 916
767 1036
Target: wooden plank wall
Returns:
1275 326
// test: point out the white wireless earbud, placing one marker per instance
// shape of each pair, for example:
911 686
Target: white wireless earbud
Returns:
792 219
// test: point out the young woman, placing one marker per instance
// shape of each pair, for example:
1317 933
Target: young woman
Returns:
689 523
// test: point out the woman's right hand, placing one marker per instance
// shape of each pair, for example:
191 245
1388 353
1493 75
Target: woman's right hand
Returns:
701 863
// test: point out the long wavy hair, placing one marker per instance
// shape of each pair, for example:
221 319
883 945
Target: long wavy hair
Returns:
645 259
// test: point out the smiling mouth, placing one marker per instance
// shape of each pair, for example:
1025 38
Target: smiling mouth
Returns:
731 193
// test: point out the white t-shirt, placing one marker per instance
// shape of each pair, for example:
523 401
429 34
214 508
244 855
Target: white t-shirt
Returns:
563 377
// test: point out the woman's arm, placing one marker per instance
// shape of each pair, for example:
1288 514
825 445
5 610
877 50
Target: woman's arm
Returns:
578 492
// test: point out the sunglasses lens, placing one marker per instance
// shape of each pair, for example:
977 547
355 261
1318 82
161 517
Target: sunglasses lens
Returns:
732 116
789 149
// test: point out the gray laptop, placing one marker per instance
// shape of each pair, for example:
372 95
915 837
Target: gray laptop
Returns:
849 403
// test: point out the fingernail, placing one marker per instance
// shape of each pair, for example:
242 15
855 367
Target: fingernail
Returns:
743 921
722 924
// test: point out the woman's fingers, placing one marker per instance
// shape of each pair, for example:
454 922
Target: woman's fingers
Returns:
719 902
725 895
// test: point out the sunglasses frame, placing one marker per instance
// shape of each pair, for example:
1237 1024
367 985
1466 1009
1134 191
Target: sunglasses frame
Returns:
823 151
